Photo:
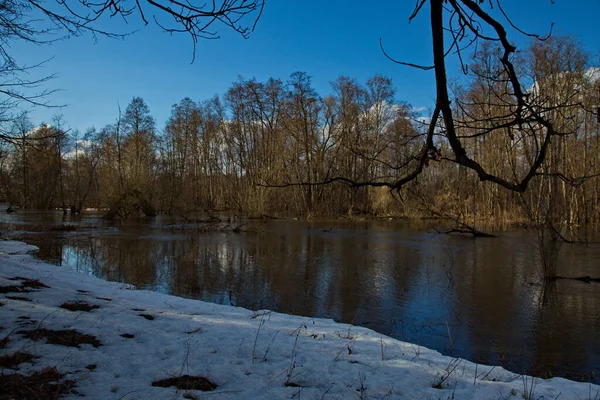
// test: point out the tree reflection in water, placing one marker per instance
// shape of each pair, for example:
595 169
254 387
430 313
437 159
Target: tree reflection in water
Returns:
464 297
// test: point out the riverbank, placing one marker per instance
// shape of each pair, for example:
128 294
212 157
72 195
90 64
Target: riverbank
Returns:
66 333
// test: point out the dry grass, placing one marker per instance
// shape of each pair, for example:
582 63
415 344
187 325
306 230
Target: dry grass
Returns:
27 286
127 335
12 361
187 382
20 298
381 200
45 384
13 289
78 306
30 283
67 337
442 380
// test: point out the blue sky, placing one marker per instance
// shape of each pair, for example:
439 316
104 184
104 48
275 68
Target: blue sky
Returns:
326 39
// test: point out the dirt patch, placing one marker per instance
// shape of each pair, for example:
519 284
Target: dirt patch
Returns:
78 306
67 337
147 316
21 298
14 289
12 361
30 283
187 382
41 385
26 285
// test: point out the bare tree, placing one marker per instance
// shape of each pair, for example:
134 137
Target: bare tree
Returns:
468 22
182 135
42 22
87 152
455 26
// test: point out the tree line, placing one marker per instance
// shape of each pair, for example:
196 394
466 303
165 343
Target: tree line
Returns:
280 148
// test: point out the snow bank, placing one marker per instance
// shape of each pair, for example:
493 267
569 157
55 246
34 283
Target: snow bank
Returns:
14 247
146 337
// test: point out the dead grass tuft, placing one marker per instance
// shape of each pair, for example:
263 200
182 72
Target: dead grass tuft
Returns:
12 361
4 342
40 385
26 285
32 283
67 337
78 306
14 289
187 382
20 298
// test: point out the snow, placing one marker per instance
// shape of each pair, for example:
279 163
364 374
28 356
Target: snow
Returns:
14 247
592 74
248 354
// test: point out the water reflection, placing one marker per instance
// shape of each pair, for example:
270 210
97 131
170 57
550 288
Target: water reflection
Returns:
464 297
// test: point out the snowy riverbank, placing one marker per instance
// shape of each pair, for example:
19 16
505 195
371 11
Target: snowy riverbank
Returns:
112 342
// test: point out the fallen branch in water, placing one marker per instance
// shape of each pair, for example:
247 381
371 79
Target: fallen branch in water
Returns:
460 227
469 230
585 279
211 224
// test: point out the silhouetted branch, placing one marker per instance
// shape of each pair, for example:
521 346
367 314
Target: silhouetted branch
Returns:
531 35
349 182
42 22
423 67
524 112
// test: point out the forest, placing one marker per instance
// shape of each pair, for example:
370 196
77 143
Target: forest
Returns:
279 148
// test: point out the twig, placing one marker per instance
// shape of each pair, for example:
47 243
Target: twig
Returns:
262 321
293 358
269 346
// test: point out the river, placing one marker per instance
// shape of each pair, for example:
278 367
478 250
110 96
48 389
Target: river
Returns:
478 299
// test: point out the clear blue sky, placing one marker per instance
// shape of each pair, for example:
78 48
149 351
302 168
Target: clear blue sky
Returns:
325 38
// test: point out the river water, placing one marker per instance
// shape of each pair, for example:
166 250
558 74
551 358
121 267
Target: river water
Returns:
478 299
